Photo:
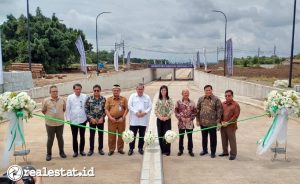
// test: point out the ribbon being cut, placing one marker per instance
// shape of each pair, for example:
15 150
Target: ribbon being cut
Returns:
279 105
14 107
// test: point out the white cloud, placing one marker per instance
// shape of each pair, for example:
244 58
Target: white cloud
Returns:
174 25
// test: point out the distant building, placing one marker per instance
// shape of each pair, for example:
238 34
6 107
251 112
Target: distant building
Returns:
287 61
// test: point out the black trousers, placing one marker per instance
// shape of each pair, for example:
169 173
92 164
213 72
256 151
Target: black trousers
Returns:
190 139
162 128
51 132
81 130
141 130
100 136
212 137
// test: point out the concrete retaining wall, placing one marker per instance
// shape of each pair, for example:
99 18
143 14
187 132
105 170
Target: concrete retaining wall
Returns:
241 88
126 79
17 80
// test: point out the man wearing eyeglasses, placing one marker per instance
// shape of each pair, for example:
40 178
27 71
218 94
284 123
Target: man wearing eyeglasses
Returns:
75 113
231 112
95 111
54 107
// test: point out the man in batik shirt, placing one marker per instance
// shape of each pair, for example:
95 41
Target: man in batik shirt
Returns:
95 111
185 112
209 114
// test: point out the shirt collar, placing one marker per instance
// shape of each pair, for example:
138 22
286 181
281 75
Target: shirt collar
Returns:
52 99
229 103
188 100
116 98
208 97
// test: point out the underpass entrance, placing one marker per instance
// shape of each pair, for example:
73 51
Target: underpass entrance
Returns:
179 71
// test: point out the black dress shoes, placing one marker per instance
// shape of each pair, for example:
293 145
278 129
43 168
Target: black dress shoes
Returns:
213 155
101 152
232 157
75 155
48 157
63 155
179 153
90 153
82 153
191 154
130 152
110 153
121 152
141 151
223 155
203 153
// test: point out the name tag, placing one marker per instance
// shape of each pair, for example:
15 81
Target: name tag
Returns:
120 108
54 111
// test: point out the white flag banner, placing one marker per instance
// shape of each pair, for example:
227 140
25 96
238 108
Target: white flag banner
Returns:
128 60
1 64
229 57
194 63
205 61
80 47
116 60
198 59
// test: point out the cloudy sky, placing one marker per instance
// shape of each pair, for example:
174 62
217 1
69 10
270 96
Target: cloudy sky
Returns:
175 28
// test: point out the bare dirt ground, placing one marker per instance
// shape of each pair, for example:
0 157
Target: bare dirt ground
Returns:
73 76
265 76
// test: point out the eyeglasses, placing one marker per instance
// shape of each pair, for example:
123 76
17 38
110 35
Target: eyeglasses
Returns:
96 90
227 95
54 91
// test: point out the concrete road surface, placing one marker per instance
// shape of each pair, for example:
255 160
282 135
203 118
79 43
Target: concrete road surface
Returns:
248 168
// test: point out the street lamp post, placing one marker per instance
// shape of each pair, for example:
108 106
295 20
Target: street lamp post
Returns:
28 35
224 40
97 39
292 47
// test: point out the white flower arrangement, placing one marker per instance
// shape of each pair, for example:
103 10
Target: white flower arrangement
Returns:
281 83
277 100
149 138
13 102
170 136
128 136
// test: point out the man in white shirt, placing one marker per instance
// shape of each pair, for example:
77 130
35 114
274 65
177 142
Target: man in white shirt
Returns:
75 113
139 105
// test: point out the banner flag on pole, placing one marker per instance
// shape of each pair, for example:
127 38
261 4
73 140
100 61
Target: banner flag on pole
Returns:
229 57
80 47
116 60
128 60
204 56
198 59
1 64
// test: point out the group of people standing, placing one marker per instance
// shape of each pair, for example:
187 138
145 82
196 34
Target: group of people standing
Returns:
79 109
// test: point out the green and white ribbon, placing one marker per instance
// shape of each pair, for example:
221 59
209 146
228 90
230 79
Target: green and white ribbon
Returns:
277 131
15 135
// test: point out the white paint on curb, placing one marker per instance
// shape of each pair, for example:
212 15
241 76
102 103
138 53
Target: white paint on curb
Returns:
152 170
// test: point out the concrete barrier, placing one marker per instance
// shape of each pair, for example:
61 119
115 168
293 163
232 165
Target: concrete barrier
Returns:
126 79
17 80
240 88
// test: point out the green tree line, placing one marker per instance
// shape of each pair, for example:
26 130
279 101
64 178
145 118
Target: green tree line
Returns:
250 61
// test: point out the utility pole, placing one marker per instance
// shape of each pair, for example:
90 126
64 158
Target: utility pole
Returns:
274 50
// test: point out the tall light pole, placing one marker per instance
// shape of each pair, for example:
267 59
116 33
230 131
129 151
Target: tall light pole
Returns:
97 39
224 40
28 35
292 48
